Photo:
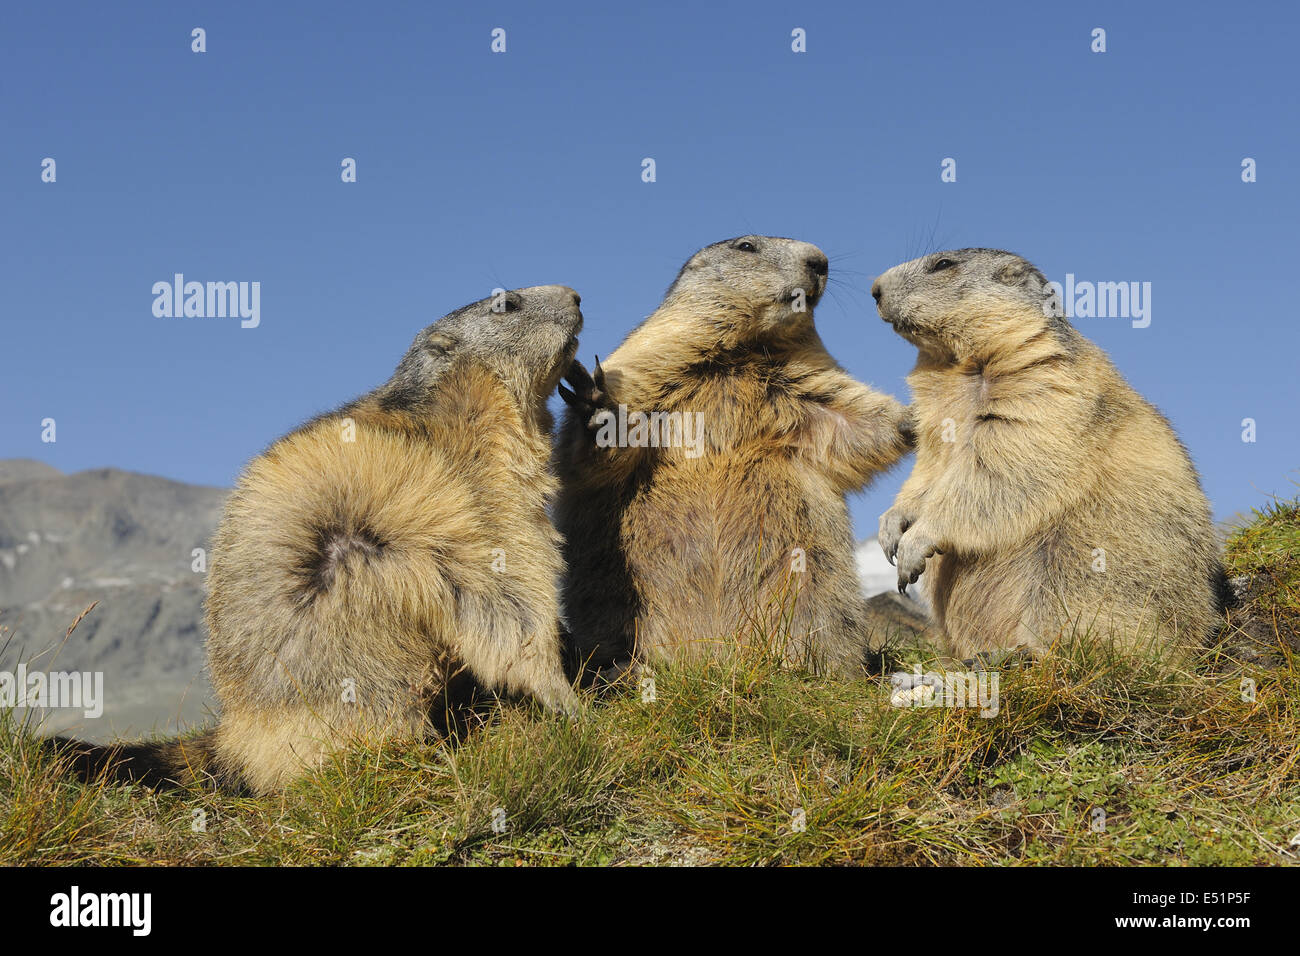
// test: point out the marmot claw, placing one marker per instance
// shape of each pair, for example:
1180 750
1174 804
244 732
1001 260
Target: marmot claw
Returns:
913 549
892 525
589 395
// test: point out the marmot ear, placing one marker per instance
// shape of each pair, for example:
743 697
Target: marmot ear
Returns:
439 341
1018 272
1011 272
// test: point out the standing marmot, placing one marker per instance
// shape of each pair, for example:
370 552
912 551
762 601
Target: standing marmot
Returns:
367 556
732 488
1050 498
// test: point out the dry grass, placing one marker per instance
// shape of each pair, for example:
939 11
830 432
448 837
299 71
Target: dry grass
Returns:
1194 766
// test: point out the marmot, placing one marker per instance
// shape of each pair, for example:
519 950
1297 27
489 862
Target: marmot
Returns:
731 489
1050 499
367 557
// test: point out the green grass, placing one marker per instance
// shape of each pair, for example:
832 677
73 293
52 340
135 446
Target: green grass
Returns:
1187 767
1266 556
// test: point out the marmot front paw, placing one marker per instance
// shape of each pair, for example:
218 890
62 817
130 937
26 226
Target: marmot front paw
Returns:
914 548
590 397
893 523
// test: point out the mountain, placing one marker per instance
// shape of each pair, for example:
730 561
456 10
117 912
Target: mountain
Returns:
127 541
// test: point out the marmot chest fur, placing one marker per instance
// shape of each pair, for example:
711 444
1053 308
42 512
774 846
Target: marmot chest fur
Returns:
1049 500
703 471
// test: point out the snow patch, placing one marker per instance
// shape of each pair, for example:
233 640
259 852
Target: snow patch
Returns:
874 571
111 582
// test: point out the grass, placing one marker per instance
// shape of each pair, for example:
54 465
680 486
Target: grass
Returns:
1265 555
743 760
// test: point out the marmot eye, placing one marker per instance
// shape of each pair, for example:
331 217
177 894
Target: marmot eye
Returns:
746 247
943 264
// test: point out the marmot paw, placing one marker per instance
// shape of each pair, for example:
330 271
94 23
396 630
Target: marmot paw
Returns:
913 549
590 396
892 525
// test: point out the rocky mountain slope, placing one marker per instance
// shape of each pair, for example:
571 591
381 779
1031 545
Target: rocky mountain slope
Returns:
122 539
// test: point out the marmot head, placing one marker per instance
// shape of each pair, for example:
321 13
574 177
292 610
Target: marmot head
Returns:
526 337
755 288
954 301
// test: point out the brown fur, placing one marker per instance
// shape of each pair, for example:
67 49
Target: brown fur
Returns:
1036 461
385 566
671 553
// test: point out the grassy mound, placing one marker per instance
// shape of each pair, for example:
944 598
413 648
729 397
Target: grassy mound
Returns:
1092 758
1264 558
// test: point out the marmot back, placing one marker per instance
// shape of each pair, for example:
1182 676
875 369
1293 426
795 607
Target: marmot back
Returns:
373 555
1048 498
682 527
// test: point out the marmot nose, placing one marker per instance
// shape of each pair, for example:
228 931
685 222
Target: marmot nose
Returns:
577 299
876 291
818 264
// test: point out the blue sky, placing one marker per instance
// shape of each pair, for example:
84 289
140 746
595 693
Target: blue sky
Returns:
478 170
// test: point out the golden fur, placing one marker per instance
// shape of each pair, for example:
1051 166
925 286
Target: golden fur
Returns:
672 553
1048 500
370 561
